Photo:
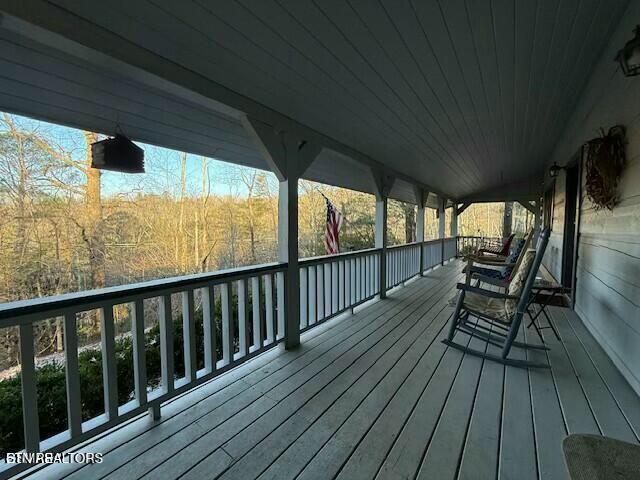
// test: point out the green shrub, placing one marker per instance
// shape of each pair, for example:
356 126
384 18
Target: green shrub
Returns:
51 386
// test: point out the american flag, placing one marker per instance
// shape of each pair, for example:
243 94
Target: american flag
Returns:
332 230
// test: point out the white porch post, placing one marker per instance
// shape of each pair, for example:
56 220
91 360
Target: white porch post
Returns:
454 224
441 227
382 185
537 219
289 157
441 218
420 198
454 221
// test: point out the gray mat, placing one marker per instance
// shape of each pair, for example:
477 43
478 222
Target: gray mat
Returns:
593 457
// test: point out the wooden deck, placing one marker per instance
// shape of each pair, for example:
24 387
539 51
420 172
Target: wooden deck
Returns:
377 395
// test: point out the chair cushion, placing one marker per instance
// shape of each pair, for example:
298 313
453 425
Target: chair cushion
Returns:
483 305
518 281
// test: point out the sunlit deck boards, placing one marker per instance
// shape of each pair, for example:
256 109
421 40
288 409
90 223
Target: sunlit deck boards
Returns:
378 395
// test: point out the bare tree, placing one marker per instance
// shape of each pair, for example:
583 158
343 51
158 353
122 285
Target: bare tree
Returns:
93 233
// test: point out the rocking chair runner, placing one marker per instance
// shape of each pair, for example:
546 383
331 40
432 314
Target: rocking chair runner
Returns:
499 314
502 251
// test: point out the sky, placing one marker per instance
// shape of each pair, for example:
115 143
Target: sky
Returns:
162 166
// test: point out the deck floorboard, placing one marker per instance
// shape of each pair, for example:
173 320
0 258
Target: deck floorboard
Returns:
377 395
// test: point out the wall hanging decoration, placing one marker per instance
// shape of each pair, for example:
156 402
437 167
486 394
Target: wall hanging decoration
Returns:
604 165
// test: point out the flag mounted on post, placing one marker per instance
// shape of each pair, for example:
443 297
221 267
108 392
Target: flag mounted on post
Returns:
332 229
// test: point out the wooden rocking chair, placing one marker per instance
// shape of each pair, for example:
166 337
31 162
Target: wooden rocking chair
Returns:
499 314
494 270
501 251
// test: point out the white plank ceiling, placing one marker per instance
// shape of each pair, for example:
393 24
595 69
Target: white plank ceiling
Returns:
464 95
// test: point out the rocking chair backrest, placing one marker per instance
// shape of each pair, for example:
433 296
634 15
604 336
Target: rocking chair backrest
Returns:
525 247
533 272
507 245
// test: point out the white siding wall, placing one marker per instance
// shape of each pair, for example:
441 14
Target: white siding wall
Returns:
608 274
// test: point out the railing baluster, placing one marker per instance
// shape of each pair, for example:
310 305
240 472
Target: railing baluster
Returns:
335 280
243 317
320 292
304 300
412 264
313 294
139 362
227 324
363 278
29 393
341 285
394 269
258 318
367 279
166 343
347 283
189 336
248 312
281 302
369 276
109 374
352 281
72 375
209 327
268 307
374 259
326 267
374 274
358 279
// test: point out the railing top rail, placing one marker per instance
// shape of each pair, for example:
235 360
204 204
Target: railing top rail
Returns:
340 256
84 299
477 236
432 241
404 245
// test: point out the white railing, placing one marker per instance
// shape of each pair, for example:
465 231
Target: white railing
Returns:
431 254
469 244
330 285
243 309
449 248
242 313
403 263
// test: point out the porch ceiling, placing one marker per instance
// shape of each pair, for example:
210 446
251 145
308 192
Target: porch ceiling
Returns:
459 95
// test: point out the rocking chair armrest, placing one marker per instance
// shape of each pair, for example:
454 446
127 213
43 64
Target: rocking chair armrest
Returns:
496 257
486 293
480 258
494 264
